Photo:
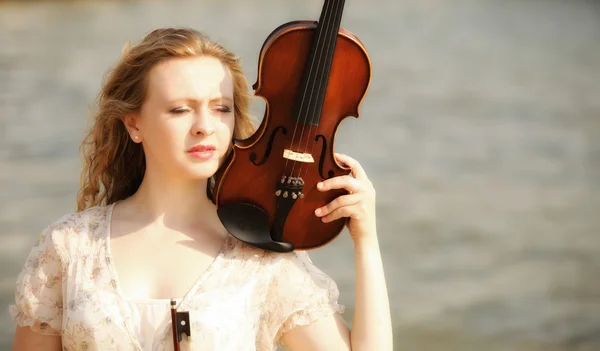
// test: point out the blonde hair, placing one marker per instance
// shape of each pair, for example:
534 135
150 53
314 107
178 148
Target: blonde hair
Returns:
114 165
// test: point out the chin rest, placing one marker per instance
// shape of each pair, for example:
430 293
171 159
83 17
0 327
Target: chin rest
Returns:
250 224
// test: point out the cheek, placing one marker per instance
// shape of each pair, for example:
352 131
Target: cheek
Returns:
163 137
225 135
227 127
231 123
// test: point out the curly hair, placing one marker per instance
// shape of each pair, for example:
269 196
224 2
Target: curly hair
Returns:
114 165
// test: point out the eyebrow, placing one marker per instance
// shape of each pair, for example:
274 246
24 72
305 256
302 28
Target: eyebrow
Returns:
215 99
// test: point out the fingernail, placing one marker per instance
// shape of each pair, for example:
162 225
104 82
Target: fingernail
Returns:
320 185
317 211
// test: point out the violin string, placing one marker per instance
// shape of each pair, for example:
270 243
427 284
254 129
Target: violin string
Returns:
331 41
311 106
306 88
331 54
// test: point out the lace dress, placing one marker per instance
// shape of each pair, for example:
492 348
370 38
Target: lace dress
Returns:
246 299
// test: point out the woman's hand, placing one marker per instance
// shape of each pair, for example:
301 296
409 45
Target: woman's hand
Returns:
358 204
372 321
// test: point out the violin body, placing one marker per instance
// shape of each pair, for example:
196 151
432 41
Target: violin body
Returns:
266 191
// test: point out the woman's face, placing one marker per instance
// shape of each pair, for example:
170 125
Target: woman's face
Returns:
186 123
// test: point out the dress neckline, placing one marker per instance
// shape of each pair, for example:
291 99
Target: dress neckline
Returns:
152 301
115 283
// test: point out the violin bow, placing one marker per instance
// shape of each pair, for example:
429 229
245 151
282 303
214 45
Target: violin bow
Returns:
180 322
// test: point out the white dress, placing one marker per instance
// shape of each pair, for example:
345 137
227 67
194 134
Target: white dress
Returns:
149 317
245 300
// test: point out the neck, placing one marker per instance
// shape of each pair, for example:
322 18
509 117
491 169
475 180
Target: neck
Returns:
180 202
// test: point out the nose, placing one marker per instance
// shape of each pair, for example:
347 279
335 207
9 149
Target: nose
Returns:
203 123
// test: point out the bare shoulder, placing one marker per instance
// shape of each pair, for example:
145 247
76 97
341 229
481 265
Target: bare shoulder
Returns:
327 333
27 339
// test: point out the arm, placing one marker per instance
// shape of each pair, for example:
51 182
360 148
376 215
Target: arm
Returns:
372 326
27 339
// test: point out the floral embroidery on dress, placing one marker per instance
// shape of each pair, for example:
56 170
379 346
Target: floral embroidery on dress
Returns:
246 300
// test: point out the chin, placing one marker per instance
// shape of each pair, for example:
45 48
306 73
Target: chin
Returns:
203 171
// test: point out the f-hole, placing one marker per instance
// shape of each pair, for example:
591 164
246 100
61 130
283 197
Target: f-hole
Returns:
269 147
330 173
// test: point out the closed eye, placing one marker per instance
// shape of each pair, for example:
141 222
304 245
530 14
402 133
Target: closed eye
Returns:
224 109
180 110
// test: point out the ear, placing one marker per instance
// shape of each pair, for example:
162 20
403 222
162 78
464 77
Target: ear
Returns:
130 121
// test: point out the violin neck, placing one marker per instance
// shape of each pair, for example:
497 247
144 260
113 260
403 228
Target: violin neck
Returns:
311 95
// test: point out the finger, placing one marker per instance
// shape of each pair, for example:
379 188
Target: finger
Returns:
340 212
357 171
340 201
342 182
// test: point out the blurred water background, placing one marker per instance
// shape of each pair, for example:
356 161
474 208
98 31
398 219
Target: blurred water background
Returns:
480 131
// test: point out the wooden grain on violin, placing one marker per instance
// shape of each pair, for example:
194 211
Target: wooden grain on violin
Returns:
311 77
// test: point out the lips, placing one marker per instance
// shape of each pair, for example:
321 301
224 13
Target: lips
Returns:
202 152
202 148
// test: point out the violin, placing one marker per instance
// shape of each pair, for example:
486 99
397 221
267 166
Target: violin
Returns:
312 75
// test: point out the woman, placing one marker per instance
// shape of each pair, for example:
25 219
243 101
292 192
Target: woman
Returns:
146 229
